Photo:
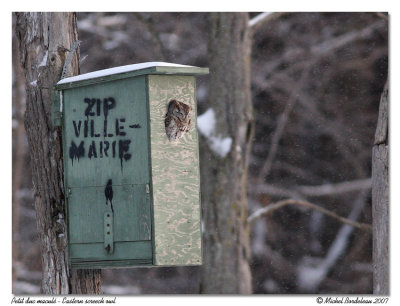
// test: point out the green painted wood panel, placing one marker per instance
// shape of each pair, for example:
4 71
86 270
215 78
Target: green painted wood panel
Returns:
105 133
95 252
132 214
114 264
175 176
106 146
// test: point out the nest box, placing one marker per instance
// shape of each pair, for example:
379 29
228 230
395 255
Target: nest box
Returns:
131 166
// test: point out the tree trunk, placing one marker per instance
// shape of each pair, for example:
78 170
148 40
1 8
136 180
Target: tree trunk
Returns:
224 177
18 139
380 199
45 39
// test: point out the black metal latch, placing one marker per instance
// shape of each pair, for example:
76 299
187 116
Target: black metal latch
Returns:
108 232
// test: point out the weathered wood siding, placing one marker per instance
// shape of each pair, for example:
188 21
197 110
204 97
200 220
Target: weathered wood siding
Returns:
175 176
88 170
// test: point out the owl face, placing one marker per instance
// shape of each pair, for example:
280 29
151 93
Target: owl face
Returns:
177 119
179 109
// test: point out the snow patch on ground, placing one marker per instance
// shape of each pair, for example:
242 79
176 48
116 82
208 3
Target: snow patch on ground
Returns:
218 144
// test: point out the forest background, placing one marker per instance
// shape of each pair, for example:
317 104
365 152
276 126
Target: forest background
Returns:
316 83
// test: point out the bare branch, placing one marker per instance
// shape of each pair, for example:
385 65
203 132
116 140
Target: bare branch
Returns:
273 190
383 16
309 276
263 18
276 137
271 208
259 18
338 42
298 192
147 21
331 126
329 189
298 55
280 77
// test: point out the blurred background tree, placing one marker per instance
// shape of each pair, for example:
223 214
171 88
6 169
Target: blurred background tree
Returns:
316 81
224 155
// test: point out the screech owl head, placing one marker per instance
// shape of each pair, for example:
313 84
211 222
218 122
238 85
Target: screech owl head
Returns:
177 119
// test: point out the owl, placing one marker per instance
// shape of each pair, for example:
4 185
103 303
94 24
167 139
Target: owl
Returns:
177 119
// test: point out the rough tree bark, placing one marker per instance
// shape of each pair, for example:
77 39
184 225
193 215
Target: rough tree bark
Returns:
380 199
226 234
18 150
45 39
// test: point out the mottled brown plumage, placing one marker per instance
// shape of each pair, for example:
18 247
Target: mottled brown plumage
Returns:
177 119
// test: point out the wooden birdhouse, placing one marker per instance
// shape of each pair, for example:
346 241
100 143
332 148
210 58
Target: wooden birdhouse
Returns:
131 166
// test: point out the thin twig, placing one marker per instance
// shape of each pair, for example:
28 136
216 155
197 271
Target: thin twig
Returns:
271 208
382 15
336 249
147 21
327 47
330 126
273 190
311 191
338 42
263 18
280 127
329 189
